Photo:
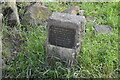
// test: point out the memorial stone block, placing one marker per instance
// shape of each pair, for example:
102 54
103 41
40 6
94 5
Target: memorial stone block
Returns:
65 35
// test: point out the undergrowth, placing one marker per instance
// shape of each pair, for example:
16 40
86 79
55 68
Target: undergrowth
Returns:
99 56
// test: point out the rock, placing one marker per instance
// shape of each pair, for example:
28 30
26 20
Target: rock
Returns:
36 14
9 9
13 6
1 15
10 17
103 29
72 10
0 46
65 35
12 20
0 8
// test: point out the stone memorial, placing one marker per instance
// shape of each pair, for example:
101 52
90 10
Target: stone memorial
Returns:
72 10
65 35
103 29
36 14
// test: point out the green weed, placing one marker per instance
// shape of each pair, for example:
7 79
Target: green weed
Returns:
99 56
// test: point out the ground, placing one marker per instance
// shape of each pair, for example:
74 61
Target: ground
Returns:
99 56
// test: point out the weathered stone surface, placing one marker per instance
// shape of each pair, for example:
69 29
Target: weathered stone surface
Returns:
65 35
1 15
12 20
9 8
0 46
36 14
0 8
103 29
10 17
72 10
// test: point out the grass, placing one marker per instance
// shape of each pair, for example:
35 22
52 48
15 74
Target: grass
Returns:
99 56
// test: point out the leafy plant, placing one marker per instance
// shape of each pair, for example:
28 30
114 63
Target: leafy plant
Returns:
99 56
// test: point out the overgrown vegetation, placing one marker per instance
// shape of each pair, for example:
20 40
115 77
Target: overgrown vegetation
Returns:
99 56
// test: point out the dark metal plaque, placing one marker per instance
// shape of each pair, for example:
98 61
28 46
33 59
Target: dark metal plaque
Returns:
63 37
